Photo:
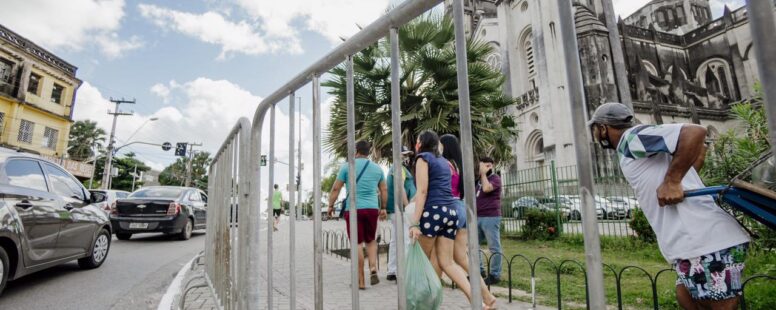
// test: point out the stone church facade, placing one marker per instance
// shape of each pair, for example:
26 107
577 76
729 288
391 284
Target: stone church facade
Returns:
682 66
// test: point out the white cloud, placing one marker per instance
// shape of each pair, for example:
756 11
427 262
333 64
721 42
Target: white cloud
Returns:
213 28
209 110
162 91
329 18
72 24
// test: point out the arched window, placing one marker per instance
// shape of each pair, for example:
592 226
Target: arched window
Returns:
649 67
528 53
680 16
661 18
535 146
714 75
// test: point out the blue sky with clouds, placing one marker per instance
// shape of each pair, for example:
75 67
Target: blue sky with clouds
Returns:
197 65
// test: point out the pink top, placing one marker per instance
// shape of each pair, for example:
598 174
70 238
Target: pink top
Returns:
455 179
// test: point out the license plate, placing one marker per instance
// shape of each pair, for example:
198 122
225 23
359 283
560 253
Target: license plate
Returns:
138 225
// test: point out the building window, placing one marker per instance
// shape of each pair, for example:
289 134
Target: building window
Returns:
661 18
529 54
6 67
2 122
56 93
34 85
50 136
25 131
680 16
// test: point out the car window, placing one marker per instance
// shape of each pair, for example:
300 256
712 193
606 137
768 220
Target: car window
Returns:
63 184
25 173
194 196
204 197
158 192
121 195
99 196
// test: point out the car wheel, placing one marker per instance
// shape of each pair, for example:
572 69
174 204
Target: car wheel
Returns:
123 236
186 232
4 266
99 253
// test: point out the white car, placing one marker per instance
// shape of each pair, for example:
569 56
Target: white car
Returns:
575 204
106 199
629 203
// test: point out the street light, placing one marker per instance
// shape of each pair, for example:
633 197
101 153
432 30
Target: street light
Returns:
141 127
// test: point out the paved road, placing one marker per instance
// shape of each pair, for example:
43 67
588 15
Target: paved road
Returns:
134 276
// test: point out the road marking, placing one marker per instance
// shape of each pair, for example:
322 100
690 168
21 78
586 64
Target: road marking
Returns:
175 287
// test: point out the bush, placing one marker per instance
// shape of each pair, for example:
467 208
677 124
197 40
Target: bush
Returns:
641 226
540 225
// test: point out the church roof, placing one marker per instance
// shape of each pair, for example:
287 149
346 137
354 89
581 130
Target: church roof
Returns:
586 21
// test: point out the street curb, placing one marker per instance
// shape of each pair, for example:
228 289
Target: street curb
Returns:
175 287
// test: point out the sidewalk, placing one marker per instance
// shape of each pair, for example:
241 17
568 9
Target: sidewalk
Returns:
336 279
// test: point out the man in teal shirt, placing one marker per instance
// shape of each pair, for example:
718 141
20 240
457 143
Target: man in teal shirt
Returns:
409 191
369 181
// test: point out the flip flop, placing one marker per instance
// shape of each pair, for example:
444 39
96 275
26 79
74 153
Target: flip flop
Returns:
374 279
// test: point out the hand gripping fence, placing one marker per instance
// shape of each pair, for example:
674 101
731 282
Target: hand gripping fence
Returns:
232 249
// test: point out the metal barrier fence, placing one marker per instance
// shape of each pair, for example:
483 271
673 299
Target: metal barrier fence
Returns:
226 246
232 251
555 189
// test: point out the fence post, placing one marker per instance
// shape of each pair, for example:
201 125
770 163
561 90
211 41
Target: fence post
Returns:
291 205
763 35
464 110
584 159
270 217
352 183
317 225
556 196
398 186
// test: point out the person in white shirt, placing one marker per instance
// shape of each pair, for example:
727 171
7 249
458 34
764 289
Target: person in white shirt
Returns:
705 245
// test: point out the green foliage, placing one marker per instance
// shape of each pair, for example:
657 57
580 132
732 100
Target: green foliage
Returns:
84 135
541 225
641 227
175 174
126 166
429 93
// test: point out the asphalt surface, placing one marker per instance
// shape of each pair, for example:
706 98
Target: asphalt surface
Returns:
134 276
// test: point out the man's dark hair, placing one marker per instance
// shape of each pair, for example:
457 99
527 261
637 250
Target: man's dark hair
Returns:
429 142
486 159
363 147
276 186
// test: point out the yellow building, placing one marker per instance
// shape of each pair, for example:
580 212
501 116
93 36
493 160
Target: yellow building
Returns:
37 95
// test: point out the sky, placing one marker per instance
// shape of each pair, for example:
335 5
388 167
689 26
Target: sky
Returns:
198 65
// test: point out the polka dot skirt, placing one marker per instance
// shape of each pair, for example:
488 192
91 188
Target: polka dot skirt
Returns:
439 221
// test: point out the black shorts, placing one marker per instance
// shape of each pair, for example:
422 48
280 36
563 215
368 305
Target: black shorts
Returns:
276 212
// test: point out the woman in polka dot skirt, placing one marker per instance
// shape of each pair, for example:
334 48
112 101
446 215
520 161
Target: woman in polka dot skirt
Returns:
435 221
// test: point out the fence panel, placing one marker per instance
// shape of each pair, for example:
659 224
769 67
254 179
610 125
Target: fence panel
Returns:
226 254
554 189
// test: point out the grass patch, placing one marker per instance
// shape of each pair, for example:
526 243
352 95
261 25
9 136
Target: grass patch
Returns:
636 288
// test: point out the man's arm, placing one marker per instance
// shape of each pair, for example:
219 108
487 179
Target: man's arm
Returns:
698 165
689 149
334 194
383 195
486 186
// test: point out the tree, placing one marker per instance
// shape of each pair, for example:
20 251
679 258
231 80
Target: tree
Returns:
429 93
126 166
175 174
84 135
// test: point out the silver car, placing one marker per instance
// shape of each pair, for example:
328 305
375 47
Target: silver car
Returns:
106 199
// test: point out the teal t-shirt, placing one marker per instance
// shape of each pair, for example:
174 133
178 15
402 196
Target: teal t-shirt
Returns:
409 188
367 186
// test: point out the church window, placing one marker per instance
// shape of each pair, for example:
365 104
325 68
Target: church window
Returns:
670 14
529 54
524 7
715 76
661 18
680 18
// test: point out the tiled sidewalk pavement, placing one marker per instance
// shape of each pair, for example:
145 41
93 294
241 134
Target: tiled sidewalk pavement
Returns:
336 273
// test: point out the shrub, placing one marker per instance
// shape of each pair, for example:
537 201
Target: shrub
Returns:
540 225
641 226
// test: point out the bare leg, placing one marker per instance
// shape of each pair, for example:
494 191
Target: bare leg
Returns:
444 247
684 298
361 283
435 263
460 257
371 253
727 304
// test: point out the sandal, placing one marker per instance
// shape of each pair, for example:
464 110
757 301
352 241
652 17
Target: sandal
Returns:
374 279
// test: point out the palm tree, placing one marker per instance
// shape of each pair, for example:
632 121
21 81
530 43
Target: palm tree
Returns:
84 135
429 93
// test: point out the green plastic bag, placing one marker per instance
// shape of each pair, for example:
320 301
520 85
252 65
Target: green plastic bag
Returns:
424 290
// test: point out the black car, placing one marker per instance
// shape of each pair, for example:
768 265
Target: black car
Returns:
166 209
46 218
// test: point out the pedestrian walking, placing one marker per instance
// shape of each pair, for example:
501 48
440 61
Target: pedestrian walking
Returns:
369 207
434 223
704 243
277 206
489 217
408 182
451 150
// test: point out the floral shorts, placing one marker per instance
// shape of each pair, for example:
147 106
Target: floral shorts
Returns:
439 221
716 276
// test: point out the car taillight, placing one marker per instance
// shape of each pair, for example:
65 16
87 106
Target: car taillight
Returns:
174 208
113 210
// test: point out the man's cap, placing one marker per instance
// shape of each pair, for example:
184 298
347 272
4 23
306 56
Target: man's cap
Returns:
406 151
613 114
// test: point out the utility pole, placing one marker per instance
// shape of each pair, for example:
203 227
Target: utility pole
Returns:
106 175
134 177
189 165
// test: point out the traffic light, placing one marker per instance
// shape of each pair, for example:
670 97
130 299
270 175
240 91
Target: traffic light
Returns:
263 160
180 149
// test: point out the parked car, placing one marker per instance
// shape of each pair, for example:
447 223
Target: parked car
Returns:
106 199
522 204
575 204
166 209
629 203
46 218
548 204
